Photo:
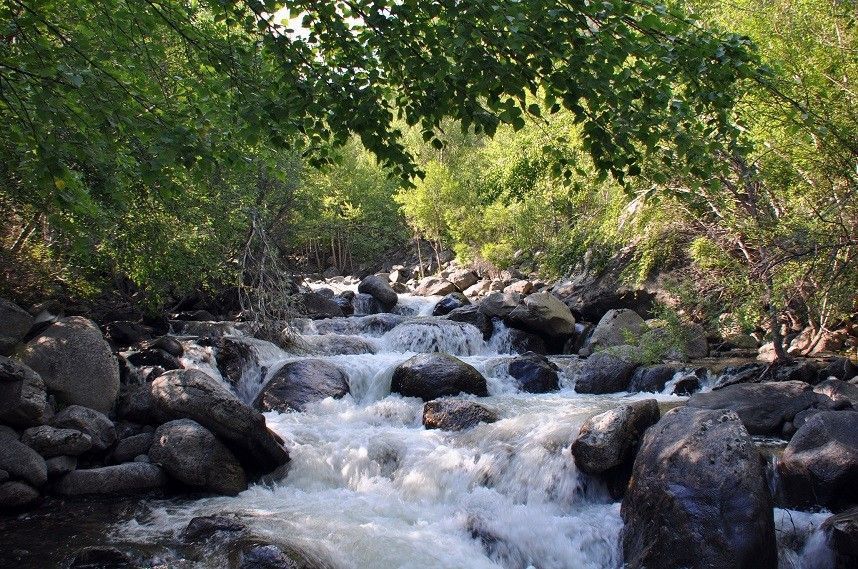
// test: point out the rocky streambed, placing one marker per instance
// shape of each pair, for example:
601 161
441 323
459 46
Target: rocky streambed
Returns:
406 439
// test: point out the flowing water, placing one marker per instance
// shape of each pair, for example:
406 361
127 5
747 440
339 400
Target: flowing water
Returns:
369 487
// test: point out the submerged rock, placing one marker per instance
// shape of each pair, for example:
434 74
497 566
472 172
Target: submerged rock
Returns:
297 384
431 376
191 454
820 464
534 373
266 557
203 527
455 414
191 394
698 496
116 480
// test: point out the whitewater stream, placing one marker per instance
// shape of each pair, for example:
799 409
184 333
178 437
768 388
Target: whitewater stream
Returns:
370 488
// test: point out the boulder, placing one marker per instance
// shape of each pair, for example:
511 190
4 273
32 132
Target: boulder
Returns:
842 532
15 322
478 289
399 274
59 465
76 363
234 355
434 286
154 357
463 279
839 368
316 306
616 328
203 527
136 404
651 378
169 344
50 442
609 371
543 313
115 480
472 315
297 384
844 395
21 461
16 494
698 496
379 288
455 414
130 447
23 399
534 373
520 287
764 408
364 304
124 333
610 439
499 304
99 428
266 557
335 345
449 303
191 394
695 344
101 557
435 375
819 466
191 454
521 342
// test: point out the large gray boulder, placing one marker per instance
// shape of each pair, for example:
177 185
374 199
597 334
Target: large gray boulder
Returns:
609 439
609 371
21 462
534 373
191 454
500 304
100 429
616 328
23 399
455 414
379 288
764 408
297 384
434 286
16 494
543 313
50 442
463 278
315 306
819 466
844 395
114 480
191 394
15 322
698 496
76 363
436 375
129 448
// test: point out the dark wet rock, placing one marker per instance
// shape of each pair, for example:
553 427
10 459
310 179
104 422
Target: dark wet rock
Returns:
842 532
50 441
755 372
651 379
136 404
839 368
120 479
365 304
379 288
191 454
23 396
130 447
21 461
543 313
266 557
297 384
124 333
101 557
764 408
615 328
16 494
76 363
15 322
335 344
345 302
59 465
449 303
4 476
608 371
472 315
499 304
154 357
844 395
431 376
191 394
698 496
325 291
317 306
170 345
196 316
610 439
234 355
203 527
534 373
375 324
521 342
455 414
99 428
206 330
820 464
686 385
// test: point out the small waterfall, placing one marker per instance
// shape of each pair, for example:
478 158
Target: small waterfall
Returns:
427 335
